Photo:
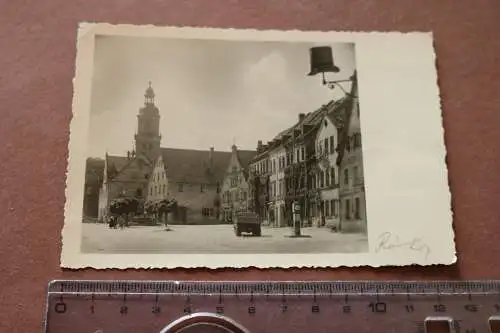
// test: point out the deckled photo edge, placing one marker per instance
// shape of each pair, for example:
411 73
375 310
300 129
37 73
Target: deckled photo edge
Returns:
70 235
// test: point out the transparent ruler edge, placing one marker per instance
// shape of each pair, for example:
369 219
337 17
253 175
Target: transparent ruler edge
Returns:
334 287
361 289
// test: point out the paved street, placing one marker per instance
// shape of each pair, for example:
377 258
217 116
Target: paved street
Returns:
214 239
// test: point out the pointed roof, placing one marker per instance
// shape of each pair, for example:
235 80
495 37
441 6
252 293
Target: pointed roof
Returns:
245 157
149 91
336 111
116 165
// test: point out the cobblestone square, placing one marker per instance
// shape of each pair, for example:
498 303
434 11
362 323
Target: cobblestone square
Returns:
211 239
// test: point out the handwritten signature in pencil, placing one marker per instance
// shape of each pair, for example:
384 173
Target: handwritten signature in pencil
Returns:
388 241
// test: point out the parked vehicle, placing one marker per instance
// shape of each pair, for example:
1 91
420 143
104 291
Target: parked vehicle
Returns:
247 222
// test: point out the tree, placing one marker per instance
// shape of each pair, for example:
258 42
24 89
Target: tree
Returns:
125 205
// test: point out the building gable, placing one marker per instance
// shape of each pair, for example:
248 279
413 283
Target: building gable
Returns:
326 128
136 170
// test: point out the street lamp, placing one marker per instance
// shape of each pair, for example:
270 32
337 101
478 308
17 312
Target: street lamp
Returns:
321 61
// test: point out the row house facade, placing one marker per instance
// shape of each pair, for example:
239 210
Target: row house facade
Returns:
326 179
316 163
350 161
301 167
191 177
276 205
236 194
259 182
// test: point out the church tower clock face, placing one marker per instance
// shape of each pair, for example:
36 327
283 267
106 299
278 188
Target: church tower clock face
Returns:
147 139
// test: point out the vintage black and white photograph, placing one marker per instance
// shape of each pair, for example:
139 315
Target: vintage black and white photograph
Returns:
207 146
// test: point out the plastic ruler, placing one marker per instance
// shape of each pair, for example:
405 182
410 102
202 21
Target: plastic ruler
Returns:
258 307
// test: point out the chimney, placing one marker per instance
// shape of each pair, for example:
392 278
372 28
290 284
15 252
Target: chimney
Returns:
259 145
211 157
302 116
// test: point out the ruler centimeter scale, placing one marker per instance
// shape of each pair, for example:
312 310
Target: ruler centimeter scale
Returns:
252 307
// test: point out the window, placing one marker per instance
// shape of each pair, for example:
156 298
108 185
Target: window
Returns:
151 190
156 190
327 208
327 178
332 146
164 190
302 153
346 177
334 207
321 179
203 188
181 187
348 209
326 145
274 166
332 176
355 173
357 208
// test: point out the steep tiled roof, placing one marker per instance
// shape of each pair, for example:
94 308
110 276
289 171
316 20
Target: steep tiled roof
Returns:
195 166
311 118
336 112
116 164
246 156
121 168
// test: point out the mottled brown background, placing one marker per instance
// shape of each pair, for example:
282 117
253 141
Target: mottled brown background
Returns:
37 54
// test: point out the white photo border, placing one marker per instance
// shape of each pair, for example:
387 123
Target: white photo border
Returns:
406 178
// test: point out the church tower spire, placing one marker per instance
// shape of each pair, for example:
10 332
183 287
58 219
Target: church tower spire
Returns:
148 138
149 96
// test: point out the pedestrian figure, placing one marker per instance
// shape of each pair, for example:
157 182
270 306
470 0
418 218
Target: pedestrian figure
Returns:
111 221
121 221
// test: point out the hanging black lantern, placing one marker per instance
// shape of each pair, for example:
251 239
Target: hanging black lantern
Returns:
321 60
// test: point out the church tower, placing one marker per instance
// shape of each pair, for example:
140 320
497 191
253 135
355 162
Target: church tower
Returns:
147 139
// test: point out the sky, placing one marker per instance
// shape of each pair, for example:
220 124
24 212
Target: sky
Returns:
210 93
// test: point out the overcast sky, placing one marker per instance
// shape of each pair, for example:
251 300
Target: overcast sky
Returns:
210 93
